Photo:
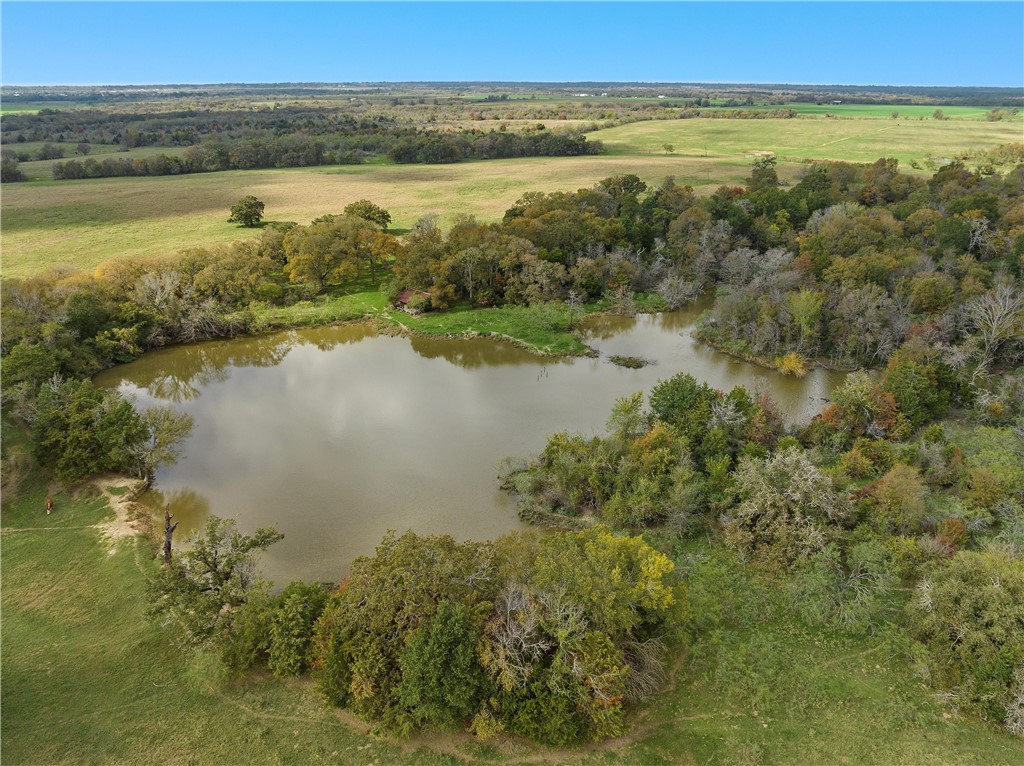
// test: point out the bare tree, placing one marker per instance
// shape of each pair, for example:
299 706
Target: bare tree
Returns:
168 533
993 319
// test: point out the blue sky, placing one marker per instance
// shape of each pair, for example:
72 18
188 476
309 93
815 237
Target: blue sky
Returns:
917 43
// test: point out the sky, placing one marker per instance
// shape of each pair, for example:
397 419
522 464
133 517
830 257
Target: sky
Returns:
872 43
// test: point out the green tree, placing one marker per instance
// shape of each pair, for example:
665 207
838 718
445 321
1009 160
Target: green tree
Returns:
805 307
613 583
210 578
9 170
365 630
82 430
165 429
763 174
248 211
968 615
369 211
441 679
291 627
334 251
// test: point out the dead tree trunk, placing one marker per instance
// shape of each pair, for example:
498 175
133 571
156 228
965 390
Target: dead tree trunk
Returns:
168 531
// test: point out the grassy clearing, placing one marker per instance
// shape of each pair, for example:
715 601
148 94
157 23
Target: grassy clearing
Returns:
884 111
802 139
328 309
82 223
541 329
87 680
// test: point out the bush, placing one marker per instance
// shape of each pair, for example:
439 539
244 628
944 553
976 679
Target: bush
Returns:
791 364
789 511
898 500
853 594
291 627
968 615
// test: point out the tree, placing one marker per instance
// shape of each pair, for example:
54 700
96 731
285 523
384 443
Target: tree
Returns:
369 211
291 627
995 318
210 578
441 678
9 170
789 512
968 615
763 174
594 577
165 429
248 211
82 430
333 251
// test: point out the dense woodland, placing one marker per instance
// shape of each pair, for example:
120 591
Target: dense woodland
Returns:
901 505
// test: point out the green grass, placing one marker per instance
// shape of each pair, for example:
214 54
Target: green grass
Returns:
328 309
87 680
83 223
536 327
884 111
797 140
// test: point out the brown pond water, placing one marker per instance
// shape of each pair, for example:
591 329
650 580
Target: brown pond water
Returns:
337 434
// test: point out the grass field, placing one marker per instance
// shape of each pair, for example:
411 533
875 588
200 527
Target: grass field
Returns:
85 222
854 140
884 111
87 680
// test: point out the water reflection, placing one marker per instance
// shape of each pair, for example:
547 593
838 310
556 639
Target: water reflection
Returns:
338 434
472 353
183 503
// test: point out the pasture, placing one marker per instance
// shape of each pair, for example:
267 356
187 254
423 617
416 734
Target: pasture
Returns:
905 111
799 139
83 223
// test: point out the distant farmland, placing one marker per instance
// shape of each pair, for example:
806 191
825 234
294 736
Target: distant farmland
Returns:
795 140
83 223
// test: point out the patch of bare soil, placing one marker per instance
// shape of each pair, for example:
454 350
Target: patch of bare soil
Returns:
130 518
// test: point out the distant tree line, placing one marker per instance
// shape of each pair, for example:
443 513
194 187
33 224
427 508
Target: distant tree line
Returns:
288 152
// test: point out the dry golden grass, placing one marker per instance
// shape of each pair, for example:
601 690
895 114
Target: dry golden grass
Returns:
83 223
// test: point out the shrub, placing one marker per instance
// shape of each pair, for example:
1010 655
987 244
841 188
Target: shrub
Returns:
968 615
789 510
791 364
291 628
898 500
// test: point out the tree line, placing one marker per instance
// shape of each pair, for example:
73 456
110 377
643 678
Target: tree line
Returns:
291 152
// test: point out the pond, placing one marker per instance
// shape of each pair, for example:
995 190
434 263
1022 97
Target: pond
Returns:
337 434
